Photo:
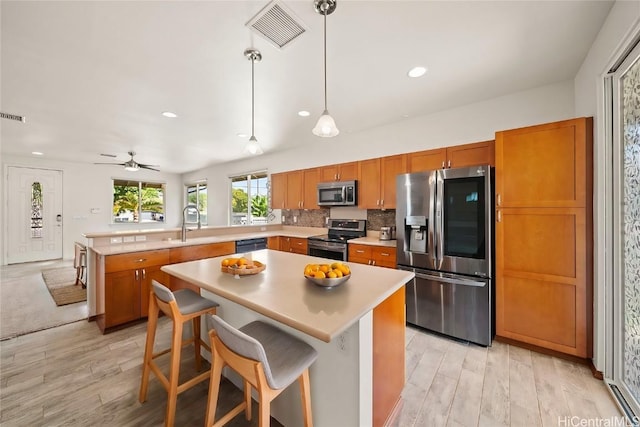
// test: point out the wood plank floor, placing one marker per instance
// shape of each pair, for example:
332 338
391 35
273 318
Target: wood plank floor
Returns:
72 375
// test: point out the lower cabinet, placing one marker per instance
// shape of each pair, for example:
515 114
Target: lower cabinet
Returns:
296 245
381 256
195 252
127 283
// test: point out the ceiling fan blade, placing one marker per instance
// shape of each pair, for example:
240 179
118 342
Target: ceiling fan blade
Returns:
148 167
117 164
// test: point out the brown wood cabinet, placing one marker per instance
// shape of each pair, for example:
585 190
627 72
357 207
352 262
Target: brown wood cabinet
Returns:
478 153
377 181
297 245
381 256
273 242
544 250
310 192
127 283
278 190
339 172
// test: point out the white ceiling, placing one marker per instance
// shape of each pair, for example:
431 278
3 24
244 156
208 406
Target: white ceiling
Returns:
93 77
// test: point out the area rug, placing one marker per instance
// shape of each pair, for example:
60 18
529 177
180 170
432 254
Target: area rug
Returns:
61 283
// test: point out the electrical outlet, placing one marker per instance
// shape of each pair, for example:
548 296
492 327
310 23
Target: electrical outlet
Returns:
116 240
128 239
342 342
263 228
295 219
141 238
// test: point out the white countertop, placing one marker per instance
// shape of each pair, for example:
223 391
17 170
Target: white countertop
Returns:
281 292
374 241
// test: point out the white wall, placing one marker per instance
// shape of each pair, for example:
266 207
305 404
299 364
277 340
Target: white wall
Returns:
87 186
471 123
620 28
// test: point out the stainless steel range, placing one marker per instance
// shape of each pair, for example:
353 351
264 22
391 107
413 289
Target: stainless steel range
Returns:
334 244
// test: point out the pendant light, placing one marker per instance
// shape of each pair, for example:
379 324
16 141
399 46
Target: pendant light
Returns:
252 146
326 126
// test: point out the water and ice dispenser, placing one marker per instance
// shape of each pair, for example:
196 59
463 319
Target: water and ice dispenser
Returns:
416 234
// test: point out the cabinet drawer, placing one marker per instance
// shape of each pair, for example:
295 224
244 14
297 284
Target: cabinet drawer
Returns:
133 260
298 246
384 257
360 251
192 253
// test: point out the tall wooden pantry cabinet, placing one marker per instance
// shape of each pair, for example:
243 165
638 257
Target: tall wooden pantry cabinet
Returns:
544 249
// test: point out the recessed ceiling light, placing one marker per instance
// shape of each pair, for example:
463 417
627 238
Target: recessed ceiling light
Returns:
242 135
417 71
303 113
169 114
37 153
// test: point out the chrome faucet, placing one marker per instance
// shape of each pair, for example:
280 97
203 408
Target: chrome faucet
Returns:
184 220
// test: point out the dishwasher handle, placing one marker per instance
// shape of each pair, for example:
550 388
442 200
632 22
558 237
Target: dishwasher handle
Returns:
454 281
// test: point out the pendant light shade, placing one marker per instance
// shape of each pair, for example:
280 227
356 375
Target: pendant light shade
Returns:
252 147
326 126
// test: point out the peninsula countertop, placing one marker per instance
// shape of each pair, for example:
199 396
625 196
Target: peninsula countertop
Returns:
282 293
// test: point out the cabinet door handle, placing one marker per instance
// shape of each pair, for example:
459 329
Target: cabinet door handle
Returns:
498 199
144 273
338 176
373 262
381 202
369 262
443 164
137 275
449 163
499 216
359 251
384 254
377 202
141 260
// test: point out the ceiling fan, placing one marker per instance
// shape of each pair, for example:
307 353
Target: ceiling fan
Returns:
132 165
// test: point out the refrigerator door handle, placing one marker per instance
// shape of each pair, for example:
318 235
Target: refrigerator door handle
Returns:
439 212
464 282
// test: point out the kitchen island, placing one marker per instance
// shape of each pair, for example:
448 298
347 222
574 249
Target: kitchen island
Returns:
357 328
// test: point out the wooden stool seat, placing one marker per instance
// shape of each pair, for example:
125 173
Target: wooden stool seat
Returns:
267 359
181 306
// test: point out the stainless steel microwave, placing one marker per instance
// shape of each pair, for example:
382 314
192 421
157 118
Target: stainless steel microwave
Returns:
342 193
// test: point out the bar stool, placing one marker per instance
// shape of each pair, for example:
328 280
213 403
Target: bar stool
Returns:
181 306
267 358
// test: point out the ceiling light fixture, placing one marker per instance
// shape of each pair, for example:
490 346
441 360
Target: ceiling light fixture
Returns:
417 72
252 146
326 126
303 113
37 153
169 114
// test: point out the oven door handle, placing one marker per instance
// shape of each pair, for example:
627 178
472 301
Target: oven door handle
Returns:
464 282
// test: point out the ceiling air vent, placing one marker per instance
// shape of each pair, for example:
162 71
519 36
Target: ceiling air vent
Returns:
15 117
276 23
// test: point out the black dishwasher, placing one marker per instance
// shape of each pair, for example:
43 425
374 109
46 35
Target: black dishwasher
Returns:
248 245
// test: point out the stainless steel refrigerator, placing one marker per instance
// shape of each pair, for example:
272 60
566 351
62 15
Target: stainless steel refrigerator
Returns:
444 235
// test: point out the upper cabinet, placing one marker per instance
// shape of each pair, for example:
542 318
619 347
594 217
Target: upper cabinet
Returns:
340 172
377 181
295 189
479 153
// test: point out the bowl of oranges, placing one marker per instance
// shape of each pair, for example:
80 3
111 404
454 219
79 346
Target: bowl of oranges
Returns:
327 275
241 266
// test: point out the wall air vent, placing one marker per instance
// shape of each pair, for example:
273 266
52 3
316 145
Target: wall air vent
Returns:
15 117
277 24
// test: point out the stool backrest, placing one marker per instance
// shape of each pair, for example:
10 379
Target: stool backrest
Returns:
162 292
241 343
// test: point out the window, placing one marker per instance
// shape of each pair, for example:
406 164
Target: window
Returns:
135 201
196 194
36 210
249 199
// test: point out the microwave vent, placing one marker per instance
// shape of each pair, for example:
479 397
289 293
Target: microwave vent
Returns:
277 24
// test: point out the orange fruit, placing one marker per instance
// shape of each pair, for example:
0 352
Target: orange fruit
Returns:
319 275
325 268
242 261
337 272
344 268
225 262
308 270
331 275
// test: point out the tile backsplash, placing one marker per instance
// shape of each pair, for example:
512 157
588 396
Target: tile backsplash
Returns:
376 218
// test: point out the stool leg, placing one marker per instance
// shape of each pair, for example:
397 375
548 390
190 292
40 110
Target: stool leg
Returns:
174 373
152 324
214 387
264 407
247 399
196 342
305 394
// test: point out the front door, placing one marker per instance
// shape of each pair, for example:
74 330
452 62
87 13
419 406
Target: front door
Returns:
34 214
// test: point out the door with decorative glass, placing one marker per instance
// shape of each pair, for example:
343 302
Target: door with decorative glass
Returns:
34 214
624 343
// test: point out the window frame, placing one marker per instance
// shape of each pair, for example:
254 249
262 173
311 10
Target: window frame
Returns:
198 184
141 184
258 174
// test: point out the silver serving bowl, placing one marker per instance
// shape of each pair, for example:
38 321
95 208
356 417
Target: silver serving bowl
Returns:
329 283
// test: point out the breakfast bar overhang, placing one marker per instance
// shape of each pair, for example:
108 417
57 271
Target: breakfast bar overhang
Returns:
357 327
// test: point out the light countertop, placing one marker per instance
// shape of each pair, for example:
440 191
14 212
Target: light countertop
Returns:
281 292
374 241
